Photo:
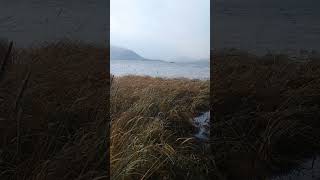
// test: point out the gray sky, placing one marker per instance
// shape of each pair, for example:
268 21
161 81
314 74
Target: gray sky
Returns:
162 29
266 25
32 22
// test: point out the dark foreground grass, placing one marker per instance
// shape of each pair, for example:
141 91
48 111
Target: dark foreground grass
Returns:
53 113
266 113
54 117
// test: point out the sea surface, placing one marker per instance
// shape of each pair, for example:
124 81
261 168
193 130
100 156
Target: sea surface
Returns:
190 70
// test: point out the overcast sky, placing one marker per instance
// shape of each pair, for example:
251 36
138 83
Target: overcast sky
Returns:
32 22
162 29
260 26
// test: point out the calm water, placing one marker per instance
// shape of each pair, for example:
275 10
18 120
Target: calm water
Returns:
197 70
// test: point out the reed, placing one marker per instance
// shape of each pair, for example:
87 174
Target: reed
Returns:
54 113
152 131
266 118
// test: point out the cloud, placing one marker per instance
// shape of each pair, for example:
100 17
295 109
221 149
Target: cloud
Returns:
162 29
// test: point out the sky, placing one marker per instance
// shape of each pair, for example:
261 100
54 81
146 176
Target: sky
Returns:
261 26
162 29
32 22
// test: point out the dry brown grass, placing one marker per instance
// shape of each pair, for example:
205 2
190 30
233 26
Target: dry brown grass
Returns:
266 113
266 117
151 128
61 131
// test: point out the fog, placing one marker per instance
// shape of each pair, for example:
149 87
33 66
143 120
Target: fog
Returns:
166 29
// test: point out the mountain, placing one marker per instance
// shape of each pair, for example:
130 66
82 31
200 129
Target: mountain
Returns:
119 53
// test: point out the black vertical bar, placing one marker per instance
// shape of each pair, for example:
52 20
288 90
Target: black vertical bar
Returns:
54 96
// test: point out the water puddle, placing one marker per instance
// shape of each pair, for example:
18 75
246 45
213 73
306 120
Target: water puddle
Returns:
310 170
202 124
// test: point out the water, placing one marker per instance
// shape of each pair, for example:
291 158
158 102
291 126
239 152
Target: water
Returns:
202 124
194 70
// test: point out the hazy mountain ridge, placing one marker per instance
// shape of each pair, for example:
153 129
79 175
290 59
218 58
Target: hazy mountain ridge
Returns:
119 53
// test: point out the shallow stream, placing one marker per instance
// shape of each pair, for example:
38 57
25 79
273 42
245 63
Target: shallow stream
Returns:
202 124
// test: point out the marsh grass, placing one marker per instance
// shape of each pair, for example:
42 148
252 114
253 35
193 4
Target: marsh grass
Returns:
58 127
152 131
54 117
266 118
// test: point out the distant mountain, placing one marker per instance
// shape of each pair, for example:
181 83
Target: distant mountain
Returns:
119 53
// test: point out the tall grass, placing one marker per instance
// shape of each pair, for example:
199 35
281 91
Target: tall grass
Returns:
54 117
152 131
59 130
266 116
